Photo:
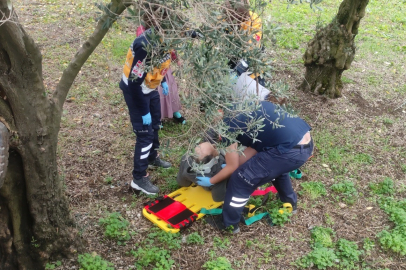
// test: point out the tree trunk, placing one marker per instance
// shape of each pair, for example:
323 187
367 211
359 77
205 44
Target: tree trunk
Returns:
332 50
35 222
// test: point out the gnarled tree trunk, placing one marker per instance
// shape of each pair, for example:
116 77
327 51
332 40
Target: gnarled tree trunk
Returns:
332 50
35 223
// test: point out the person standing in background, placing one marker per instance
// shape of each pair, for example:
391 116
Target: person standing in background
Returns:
170 101
140 93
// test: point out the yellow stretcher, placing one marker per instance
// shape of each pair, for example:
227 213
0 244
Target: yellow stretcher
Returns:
193 197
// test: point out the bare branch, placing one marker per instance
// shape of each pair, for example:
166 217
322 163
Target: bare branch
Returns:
9 16
116 7
401 105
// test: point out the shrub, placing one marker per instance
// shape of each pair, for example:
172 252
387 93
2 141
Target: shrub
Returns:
386 187
279 216
321 237
348 253
195 238
320 257
394 240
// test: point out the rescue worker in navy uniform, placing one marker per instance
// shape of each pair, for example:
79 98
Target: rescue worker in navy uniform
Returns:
140 93
275 152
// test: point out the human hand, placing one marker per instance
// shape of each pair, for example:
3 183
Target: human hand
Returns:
165 88
146 119
203 181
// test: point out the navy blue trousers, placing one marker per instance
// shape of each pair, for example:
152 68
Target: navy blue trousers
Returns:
259 170
147 141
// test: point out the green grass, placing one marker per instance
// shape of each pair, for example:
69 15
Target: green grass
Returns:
220 263
118 46
221 243
346 80
313 190
343 254
403 166
374 80
169 178
388 121
363 158
108 180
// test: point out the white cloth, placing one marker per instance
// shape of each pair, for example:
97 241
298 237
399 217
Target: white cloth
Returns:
246 87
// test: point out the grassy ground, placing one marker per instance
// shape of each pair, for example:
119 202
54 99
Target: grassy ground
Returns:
359 160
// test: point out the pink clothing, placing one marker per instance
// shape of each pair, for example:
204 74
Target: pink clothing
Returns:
140 30
171 102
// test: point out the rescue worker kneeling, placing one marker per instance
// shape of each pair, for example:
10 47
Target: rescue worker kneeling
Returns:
269 158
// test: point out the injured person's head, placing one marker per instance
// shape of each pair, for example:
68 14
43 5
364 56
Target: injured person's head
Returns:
207 161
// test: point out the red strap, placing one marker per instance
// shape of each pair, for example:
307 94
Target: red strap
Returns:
259 192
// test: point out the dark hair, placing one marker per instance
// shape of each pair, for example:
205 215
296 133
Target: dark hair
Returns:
236 10
153 15
207 159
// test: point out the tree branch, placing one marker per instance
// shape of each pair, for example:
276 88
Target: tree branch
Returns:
69 74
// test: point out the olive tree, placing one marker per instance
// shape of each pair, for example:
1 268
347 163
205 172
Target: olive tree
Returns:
35 222
332 50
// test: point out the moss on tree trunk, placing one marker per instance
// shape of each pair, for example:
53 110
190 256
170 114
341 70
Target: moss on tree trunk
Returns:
332 50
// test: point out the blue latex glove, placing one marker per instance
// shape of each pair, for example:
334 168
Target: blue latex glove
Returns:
165 88
146 119
203 181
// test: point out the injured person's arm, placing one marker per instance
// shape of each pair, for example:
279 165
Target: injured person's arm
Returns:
232 163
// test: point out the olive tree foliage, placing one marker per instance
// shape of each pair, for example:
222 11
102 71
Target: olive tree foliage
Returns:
205 77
